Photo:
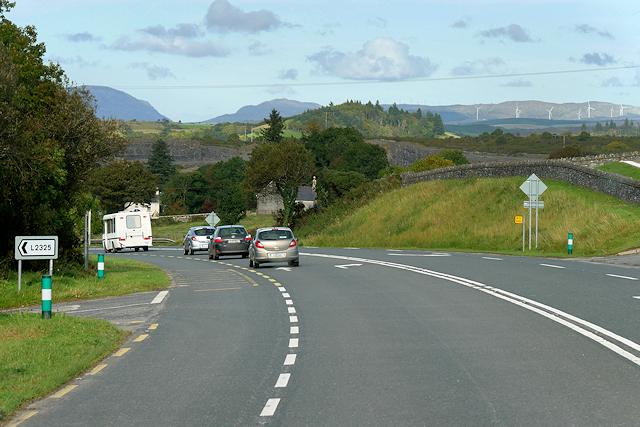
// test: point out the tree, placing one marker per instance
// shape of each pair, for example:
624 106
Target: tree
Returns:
455 156
50 139
274 131
438 125
287 165
160 161
120 182
429 163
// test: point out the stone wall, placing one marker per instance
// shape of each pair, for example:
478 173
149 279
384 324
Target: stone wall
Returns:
185 152
615 185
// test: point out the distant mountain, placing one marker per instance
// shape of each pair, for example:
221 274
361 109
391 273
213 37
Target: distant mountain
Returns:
121 105
600 111
256 113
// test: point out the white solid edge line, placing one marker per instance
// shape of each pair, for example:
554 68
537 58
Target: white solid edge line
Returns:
158 299
270 408
622 277
552 266
532 305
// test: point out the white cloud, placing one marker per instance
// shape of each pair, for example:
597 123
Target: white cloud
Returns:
596 59
222 17
154 72
172 46
81 37
514 32
379 59
518 83
290 74
479 67
587 29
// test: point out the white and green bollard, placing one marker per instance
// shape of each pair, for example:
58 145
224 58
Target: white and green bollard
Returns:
570 243
100 266
46 296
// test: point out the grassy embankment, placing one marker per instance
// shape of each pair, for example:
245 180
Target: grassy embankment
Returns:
479 216
37 356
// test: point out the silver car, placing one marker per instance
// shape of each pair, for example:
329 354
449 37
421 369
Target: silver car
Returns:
274 244
197 239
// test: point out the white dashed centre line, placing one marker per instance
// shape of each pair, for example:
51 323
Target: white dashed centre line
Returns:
292 310
270 408
283 380
286 295
293 319
293 342
295 330
290 359
289 302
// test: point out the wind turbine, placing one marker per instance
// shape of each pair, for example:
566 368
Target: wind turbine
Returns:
517 112
477 111
589 110
580 114
621 110
549 111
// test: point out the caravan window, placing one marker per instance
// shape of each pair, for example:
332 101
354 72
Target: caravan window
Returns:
133 221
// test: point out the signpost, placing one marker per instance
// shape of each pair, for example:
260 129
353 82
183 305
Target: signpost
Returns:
533 188
33 248
212 219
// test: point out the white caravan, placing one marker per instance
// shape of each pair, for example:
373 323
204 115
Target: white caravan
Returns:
127 230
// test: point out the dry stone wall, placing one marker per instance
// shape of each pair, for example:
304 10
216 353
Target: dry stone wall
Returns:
615 185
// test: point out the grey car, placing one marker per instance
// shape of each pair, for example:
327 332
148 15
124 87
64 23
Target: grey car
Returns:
197 239
274 244
229 240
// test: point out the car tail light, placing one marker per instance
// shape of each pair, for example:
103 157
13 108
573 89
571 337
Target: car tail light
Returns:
218 240
293 243
247 238
259 244
194 238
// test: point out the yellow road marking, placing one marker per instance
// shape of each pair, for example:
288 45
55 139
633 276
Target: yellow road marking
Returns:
24 416
136 321
121 352
219 289
153 326
141 338
244 276
97 369
62 392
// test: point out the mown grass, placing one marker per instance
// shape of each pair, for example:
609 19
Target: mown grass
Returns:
122 276
479 215
621 169
38 356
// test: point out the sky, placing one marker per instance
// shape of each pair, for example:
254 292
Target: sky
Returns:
195 60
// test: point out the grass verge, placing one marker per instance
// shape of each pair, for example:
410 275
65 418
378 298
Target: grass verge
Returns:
478 215
122 276
38 356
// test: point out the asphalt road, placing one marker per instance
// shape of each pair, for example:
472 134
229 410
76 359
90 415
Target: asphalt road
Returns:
358 337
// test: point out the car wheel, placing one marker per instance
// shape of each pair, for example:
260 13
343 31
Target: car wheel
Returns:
210 256
186 252
216 256
250 263
190 251
255 264
137 249
146 248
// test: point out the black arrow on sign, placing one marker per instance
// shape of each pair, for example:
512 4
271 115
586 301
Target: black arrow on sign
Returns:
23 249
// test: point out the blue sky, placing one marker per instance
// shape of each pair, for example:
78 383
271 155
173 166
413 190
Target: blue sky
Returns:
195 60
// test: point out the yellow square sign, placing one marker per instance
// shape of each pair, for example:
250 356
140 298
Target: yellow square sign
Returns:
518 220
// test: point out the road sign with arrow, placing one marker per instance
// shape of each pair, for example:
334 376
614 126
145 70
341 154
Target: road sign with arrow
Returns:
36 247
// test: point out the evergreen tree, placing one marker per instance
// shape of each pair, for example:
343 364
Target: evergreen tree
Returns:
160 161
275 130
438 125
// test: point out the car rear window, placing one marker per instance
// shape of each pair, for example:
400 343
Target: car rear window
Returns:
275 235
203 232
236 231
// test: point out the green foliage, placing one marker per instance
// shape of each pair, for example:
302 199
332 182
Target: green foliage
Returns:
273 133
120 182
567 152
340 182
616 147
428 163
455 156
344 149
50 139
160 161
287 165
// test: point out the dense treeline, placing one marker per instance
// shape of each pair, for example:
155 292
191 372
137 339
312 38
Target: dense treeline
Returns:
50 140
